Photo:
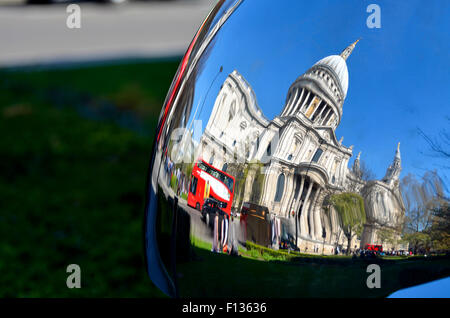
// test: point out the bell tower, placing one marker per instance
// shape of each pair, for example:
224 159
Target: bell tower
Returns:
393 171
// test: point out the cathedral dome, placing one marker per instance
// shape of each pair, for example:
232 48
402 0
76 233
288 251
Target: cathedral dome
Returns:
337 64
320 92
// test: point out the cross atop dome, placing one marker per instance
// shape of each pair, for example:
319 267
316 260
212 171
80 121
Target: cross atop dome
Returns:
346 53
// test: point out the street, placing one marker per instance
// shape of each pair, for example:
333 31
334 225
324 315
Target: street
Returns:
39 34
198 228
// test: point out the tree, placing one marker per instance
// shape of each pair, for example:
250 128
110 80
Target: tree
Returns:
440 145
387 235
418 198
420 242
366 173
350 208
440 228
425 211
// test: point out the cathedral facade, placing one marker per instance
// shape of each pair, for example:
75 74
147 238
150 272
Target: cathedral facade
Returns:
300 157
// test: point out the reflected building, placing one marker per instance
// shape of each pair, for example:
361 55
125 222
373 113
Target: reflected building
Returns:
293 163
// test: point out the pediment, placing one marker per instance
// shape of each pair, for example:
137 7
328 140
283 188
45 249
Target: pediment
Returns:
328 134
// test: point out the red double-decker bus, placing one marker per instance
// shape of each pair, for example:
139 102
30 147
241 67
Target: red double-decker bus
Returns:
221 186
373 247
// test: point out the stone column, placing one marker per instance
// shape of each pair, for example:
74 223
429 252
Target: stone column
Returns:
297 204
327 225
303 217
321 112
311 213
317 215
324 122
287 194
300 191
300 107
329 121
292 200
297 102
288 104
287 207
294 101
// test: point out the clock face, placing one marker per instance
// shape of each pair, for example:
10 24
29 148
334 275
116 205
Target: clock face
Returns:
249 170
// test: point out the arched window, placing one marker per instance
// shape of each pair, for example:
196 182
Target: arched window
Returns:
290 157
232 111
317 155
224 97
269 150
224 167
211 160
280 188
294 146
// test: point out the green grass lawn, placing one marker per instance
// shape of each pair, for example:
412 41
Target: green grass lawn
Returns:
72 186
74 153
306 276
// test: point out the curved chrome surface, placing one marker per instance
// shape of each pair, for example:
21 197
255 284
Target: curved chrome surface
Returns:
247 157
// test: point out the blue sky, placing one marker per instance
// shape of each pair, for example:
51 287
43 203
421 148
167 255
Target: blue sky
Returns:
436 289
398 75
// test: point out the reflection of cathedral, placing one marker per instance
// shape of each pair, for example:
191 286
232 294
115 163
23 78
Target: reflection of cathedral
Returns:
303 160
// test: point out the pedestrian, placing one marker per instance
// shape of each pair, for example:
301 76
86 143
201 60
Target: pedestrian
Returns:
232 237
215 244
224 232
